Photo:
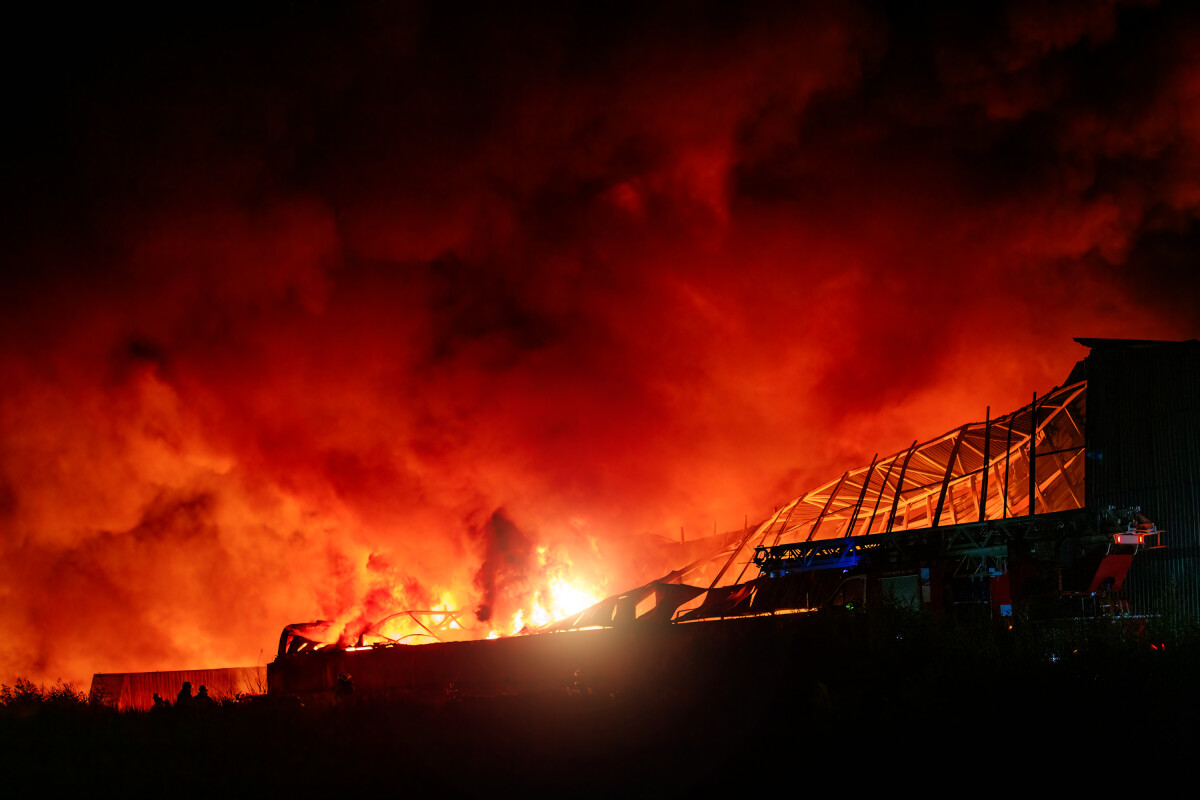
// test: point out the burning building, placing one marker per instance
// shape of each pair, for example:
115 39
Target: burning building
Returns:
1042 508
297 303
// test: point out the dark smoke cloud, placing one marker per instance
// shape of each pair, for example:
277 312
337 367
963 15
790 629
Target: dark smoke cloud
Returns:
295 299
508 557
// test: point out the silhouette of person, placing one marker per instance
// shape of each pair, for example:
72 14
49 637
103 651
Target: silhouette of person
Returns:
184 698
202 698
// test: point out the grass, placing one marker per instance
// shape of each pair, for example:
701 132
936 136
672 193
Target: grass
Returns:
885 697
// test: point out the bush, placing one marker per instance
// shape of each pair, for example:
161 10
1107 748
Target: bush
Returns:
26 695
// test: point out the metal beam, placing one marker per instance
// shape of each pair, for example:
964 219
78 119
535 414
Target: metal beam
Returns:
987 460
828 503
1007 456
900 486
882 488
742 543
1033 456
861 495
783 526
767 532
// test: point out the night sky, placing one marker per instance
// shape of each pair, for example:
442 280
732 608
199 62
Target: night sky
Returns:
331 312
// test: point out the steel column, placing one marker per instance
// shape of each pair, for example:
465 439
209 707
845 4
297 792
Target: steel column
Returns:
937 515
900 486
987 464
862 495
1033 456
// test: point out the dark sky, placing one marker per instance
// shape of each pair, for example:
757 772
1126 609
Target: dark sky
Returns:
326 312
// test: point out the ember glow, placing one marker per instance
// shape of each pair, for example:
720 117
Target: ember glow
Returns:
552 598
340 313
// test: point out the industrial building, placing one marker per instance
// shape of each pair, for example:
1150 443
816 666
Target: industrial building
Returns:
1050 501
1084 503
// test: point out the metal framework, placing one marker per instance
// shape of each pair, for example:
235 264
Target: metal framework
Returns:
967 481
980 471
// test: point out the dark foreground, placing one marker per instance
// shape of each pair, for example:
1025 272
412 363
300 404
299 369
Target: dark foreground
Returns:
841 701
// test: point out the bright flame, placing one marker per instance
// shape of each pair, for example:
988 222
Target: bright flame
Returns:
558 600
539 615
568 599
451 618
442 621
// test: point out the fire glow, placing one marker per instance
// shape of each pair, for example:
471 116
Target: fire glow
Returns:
444 323
554 599
554 596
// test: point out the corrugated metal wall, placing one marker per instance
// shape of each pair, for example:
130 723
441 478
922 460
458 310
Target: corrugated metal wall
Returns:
135 690
1143 449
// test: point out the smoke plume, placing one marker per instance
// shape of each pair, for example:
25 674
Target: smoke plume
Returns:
294 303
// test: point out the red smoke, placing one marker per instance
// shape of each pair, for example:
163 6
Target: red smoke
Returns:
294 310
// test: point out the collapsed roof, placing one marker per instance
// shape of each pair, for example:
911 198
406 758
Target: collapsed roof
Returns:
981 471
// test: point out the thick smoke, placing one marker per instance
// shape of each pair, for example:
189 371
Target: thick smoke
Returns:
508 559
294 303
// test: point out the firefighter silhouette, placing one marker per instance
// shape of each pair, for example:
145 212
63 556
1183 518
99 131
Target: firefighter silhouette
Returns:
202 698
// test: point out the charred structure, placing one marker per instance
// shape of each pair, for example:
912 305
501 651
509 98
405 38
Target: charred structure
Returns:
1045 506
1040 510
